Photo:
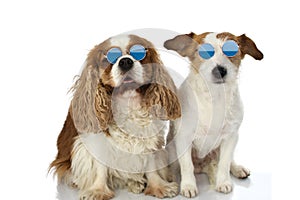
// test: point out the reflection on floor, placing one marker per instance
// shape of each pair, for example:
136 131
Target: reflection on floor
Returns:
257 186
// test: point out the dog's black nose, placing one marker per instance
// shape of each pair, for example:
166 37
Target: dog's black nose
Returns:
219 72
125 64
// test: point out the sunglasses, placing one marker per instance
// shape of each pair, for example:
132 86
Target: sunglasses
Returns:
230 48
138 52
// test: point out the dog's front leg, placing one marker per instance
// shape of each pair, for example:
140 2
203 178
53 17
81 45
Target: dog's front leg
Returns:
95 187
188 187
223 179
89 174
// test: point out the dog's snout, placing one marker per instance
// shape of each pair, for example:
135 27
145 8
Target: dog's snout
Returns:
219 72
125 64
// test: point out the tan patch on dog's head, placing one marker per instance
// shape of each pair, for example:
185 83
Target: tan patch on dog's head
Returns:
200 38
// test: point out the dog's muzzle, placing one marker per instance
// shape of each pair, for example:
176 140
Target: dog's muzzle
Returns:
219 72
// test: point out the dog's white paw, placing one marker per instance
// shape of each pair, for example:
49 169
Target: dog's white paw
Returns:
240 171
188 190
225 187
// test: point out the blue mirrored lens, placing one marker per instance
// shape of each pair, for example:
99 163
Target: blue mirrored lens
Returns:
138 52
230 48
206 51
113 54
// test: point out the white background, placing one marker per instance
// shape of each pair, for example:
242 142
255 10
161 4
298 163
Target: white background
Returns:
44 43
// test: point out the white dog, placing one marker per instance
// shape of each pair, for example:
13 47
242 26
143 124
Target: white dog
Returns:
207 133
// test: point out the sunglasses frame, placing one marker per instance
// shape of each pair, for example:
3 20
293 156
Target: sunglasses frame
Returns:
230 42
206 55
211 55
130 53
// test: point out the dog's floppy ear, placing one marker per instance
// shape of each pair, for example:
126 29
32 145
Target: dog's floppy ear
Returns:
160 96
91 103
247 46
182 44
103 106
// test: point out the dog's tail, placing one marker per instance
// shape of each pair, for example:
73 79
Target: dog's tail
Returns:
61 168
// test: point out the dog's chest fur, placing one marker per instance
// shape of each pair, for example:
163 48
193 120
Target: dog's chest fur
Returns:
124 152
134 130
135 133
220 111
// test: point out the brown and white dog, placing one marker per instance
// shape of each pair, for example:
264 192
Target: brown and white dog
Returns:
207 133
116 123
